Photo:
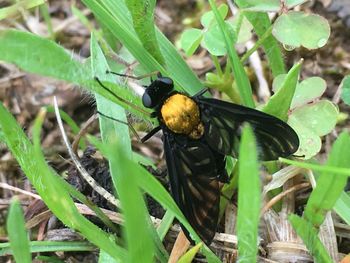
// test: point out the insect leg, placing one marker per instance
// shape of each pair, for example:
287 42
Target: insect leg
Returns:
133 77
150 134
123 122
201 92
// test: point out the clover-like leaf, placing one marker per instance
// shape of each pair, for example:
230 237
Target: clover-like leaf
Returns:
312 121
295 29
208 18
345 94
214 42
245 30
190 40
305 92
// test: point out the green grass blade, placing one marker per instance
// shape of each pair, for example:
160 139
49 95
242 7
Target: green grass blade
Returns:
280 102
19 241
248 198
50 246
308 234
48 185
329 186
342 207
105 258
137 222
189 256
109 128
116 17
142 12
14 9
41 56
241 78
153 187
165 225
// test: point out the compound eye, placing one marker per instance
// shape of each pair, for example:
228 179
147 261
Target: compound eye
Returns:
147 100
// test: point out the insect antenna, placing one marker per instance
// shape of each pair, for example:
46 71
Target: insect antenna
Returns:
135 77
123 122
121 99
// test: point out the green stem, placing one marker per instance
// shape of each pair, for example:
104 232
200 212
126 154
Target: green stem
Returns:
257 44
217 65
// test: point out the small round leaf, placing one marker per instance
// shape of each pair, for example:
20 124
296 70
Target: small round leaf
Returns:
190 40
208 17
295 29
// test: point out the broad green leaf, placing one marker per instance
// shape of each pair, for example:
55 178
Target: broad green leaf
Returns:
142 12
345 94
329 186
280 102
14 9
295 29
309 235
208 18
305 92
248 197
189 256
239 73
190 40
19 241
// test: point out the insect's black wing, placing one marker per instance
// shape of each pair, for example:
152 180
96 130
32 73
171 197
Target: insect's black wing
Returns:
223 122
193 175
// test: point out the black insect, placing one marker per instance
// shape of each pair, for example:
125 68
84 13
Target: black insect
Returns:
198 133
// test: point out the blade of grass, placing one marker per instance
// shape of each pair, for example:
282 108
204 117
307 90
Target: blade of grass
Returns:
342 207
240 75
308 234
109 128
41 56
189 256
248 198
13 9
19 241
115 16
49 246
329 186
154 188
44 10
165 225
279 104
47 184
137 222
142 12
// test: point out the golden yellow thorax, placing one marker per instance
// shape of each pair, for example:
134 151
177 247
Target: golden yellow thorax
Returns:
181 115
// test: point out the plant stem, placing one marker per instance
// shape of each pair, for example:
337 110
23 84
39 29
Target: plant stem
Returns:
257 44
